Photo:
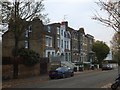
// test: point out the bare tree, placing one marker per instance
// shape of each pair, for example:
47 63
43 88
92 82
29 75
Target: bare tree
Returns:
113 12
114 46
112 18
16 14
26 10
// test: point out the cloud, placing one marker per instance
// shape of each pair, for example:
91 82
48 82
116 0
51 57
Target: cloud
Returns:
68 1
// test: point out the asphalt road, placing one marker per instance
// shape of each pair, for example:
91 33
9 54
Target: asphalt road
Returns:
95 79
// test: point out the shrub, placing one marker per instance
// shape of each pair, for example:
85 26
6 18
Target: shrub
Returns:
30 57
86 66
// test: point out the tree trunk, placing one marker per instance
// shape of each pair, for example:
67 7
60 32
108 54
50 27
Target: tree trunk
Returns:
15 63
15 68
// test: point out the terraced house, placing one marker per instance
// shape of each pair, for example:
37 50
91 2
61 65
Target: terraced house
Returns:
75 56
65 41
90 53
81 47
53 41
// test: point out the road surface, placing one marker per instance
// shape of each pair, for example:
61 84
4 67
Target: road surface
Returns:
95 79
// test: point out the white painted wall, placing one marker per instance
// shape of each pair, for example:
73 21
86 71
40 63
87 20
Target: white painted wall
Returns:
62 29
46 53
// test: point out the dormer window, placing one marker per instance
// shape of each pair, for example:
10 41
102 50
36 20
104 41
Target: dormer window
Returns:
49 29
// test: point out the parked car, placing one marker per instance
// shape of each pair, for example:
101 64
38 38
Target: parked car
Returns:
61 72
92 67
107 67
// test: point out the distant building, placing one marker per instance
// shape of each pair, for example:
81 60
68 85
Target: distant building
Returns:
109 56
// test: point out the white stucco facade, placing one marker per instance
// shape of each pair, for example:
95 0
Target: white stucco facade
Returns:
65 42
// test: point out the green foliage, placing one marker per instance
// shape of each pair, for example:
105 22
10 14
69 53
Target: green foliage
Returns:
86 66
95 61
101 50
105 62
54 67
30 57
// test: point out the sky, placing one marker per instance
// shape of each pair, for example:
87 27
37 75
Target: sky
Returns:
78 13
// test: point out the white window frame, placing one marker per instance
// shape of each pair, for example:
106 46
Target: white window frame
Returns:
26 44
58 42
67 45
49 29
26 33
48 41
58 30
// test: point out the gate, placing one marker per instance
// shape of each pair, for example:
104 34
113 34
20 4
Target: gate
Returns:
44 65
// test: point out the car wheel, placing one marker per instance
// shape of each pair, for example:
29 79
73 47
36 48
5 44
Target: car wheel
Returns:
72 74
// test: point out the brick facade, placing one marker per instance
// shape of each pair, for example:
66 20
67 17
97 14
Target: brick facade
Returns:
75 44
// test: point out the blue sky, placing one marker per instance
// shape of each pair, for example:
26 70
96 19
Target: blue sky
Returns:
78 13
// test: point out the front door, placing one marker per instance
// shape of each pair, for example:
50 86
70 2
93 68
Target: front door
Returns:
43 68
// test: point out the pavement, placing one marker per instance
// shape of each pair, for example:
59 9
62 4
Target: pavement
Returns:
107 86
14 82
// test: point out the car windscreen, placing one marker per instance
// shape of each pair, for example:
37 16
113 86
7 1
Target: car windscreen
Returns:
58 68
61 69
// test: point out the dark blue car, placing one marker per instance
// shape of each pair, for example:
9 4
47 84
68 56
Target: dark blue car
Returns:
61 72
